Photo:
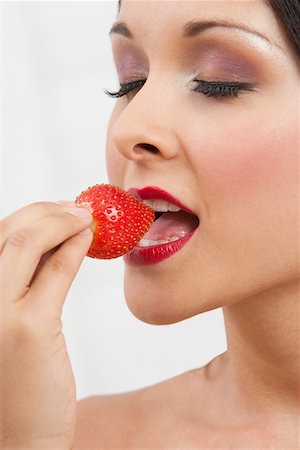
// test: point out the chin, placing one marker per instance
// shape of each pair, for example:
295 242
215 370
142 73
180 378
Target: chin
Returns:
152 314
163 306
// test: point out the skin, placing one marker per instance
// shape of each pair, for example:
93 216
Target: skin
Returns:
234 162
41 252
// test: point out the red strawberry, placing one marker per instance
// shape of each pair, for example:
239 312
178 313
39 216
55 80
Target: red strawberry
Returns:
120 220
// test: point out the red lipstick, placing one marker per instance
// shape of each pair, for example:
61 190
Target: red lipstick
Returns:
140 256
154 192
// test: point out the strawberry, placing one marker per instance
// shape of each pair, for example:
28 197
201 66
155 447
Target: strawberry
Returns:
120 220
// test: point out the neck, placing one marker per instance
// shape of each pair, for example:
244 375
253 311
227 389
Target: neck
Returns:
263 357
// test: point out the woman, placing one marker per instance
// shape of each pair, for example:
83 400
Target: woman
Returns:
208 110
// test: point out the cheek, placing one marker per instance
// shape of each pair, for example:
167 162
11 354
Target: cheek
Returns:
250 161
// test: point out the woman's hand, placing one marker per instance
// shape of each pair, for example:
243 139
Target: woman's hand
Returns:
41 252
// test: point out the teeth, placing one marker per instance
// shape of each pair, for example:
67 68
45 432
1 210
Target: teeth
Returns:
148 202
160 242
173 208
173 238
161 205
149 242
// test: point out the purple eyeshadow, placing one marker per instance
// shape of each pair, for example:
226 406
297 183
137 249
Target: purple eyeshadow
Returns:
224 61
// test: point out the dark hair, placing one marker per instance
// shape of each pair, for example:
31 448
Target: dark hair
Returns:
288 13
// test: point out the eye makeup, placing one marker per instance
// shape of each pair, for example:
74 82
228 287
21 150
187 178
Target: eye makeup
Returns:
130 63
215 61
221 66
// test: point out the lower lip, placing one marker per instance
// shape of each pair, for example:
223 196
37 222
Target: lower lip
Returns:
142 256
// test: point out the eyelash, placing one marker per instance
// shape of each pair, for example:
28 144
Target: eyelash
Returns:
209 88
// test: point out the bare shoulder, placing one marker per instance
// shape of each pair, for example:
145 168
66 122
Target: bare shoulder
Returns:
133 419
105 421
180 412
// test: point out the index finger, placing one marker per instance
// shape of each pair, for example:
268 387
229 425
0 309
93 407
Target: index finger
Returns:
28 214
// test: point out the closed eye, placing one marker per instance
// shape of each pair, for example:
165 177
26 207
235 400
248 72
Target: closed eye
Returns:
222 88
125 88
208 88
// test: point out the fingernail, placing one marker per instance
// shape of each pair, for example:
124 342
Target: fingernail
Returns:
65 203
80 212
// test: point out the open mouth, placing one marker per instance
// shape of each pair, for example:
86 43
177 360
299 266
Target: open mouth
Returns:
173 228
171 223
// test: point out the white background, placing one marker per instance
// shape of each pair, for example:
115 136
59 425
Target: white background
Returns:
56 61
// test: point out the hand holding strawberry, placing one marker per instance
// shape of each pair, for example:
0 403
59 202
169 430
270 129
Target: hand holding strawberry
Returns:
120 220
41 249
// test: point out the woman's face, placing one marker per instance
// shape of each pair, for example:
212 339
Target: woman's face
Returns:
234 161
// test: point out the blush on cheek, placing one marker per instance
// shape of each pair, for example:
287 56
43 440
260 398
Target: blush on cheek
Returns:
253 162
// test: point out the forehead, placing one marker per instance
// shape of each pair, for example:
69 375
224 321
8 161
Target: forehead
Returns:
158 18
177 8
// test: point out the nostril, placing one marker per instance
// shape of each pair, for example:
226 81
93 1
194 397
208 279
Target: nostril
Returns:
140 147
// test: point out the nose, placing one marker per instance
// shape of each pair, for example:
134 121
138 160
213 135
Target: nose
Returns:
143 129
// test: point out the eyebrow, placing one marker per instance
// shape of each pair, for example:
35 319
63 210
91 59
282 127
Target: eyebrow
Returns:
194 28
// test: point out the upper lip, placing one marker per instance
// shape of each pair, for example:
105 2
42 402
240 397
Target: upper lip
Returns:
154 192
